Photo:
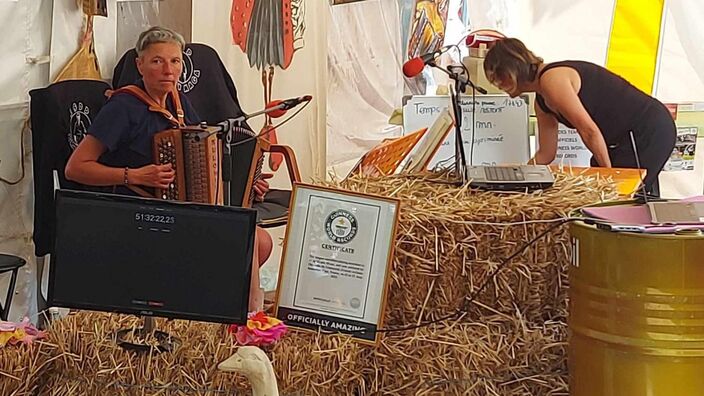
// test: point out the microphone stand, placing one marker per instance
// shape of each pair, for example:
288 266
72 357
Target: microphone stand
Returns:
225 135
456 90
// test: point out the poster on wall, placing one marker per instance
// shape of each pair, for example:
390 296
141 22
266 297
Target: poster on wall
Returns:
336 261
571 150
682 157
427 31
269 33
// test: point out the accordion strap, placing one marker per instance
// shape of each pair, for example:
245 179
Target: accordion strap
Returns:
140 94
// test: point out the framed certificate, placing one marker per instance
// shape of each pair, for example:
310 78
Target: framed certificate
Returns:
336 261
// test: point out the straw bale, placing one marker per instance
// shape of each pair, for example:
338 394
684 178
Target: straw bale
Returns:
89 361
450 239
511 340
24 368
497 356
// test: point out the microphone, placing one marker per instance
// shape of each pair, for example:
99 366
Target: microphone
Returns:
414 67
274 109
277 108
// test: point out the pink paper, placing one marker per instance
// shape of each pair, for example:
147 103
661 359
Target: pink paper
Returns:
638 215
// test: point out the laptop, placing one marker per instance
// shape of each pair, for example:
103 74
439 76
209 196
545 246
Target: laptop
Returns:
515 177
676 212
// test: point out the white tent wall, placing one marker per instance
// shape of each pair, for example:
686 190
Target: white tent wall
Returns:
579 29
365 83
25 31
506 16
681 68
135 17
558 30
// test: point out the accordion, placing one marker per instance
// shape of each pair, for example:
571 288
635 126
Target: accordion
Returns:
194 153
247 153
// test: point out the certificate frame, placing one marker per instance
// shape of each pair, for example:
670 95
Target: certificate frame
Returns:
328 282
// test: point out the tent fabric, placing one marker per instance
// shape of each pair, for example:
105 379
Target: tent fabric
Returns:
24 28
364 82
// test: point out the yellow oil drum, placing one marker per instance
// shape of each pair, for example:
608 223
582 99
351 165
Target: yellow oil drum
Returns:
636 313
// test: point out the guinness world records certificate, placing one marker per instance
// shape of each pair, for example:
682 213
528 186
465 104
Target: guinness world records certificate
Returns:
336 260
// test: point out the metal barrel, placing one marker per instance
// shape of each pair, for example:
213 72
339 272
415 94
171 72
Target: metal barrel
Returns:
636 313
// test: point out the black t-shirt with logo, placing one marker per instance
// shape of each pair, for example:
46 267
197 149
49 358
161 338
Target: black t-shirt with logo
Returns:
126 127
61 114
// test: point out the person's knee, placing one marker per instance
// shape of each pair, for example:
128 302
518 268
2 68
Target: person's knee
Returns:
264 245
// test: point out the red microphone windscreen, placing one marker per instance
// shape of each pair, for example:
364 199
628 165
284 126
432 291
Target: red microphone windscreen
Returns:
413 67
275 113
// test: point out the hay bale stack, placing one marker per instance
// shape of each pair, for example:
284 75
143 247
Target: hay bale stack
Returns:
511 341
89 362
497 356
449 240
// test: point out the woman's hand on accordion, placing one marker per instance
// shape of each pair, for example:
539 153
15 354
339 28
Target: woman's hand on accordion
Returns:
261 186
159 176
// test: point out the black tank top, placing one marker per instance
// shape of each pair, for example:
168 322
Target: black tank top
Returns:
614 104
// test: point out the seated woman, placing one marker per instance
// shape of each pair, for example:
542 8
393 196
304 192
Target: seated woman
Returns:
117 150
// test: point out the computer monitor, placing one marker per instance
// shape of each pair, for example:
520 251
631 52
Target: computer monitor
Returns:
151 257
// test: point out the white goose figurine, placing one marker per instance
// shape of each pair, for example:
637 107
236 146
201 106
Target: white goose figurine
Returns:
256 366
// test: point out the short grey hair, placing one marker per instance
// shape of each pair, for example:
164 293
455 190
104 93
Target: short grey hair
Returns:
158 34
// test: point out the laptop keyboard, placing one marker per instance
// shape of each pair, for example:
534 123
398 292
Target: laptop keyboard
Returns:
504 173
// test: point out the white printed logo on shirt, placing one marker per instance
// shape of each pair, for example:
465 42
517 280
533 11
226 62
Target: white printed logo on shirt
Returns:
78 123
189 77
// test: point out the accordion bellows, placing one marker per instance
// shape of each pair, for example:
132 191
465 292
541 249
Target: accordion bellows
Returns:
194 152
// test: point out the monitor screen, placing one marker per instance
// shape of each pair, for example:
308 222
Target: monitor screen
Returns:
151 257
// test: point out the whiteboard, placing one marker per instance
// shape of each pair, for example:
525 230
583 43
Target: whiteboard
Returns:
500 127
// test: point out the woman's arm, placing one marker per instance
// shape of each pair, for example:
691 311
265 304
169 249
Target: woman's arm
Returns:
559 91
83 167
547 137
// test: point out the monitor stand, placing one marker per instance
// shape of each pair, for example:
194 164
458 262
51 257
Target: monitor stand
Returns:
145 339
